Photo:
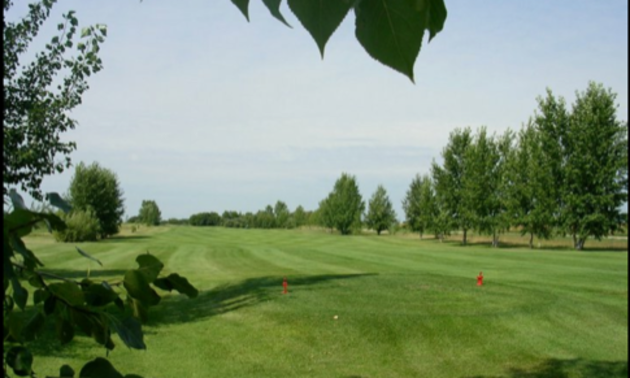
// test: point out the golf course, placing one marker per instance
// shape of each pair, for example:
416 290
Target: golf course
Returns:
357 306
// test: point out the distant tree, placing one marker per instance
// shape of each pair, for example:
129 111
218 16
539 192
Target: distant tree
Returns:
97 188
205 219
596 170
150 213
281 213
381 215
449 181
300 217
419 205
343 206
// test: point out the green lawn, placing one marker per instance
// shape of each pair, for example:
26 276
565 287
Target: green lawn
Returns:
405 307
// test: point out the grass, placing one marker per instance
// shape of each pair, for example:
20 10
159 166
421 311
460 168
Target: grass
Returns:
405 307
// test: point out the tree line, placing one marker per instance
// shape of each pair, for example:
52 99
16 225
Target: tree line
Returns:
564 173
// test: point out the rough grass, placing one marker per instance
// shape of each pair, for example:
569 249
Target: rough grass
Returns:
404 307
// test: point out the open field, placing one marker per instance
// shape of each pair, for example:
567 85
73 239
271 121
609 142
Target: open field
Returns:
405 307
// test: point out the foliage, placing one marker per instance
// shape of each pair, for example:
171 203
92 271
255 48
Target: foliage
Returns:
281 213
532 191
205 219
420 205
343 207
449 181
98 188
390 31
381 215
82 225
37 103
596 170
97 309
149 213
299 216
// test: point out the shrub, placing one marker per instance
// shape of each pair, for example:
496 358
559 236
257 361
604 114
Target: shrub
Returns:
82 226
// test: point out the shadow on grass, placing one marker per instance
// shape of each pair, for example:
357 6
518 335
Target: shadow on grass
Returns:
555 368
125 238
231 297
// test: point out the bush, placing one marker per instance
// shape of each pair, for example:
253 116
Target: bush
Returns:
82 226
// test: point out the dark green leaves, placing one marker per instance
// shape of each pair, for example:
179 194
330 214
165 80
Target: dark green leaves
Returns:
56 200
68 292
20 360
65 331
85 254
391 31
99 295
274 8
66 372
243 6
130 332
16 200
138 288
177 282
99 368
150 266
320 17
20 295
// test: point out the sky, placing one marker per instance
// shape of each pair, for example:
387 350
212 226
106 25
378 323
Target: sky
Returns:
200 110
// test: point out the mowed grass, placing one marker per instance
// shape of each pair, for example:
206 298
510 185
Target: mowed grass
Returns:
405 307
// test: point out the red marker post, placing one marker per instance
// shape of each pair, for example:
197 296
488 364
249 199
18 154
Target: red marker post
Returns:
480 279
285 285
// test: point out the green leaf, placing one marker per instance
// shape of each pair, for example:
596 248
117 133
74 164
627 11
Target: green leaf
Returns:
15 325
30 260
16 200
138 288
20 360
66 372
99 368
150 266
7 253
20 221
49 305
179 283
320 17
140 312
274 8
36 281
242 5
102 28
98 295
20 295
84 321
391 31
130 332
85 254
69 292
85 32
34 327
65 330
40 295
58 202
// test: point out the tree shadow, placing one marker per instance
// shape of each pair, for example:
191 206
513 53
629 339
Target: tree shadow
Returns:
525 245
124 238
231 297
556 368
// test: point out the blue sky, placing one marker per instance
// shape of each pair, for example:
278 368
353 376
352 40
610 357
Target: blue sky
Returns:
200 110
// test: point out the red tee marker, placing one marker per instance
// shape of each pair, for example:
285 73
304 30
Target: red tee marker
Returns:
285 285
480 279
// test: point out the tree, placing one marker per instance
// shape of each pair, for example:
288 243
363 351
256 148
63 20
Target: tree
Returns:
391 31
449 181
596 170
531 195
35 113
150 213
300 217
381 215
420 206
205 219
343 206
281 213
98 188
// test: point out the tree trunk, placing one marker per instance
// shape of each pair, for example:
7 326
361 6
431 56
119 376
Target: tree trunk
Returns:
580 244
531 240
465 232
378 232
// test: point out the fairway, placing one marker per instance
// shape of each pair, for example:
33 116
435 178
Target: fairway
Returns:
404 307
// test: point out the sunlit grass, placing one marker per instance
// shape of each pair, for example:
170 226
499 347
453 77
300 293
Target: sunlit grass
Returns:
404 307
